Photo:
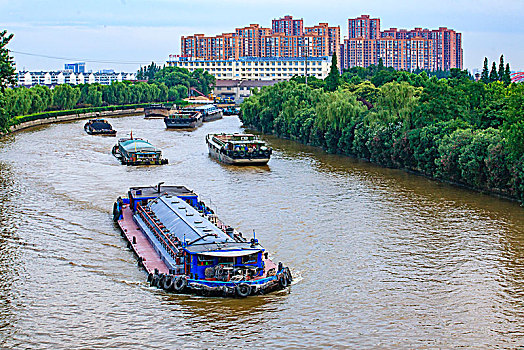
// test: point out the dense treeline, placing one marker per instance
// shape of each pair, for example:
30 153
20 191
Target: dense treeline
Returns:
162 84
169 84
453 129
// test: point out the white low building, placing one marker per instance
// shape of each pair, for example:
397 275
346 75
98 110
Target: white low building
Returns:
257 68
52 78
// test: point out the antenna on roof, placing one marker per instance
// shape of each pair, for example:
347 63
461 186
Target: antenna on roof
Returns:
158 186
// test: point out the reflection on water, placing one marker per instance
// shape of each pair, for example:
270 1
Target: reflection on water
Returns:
386 259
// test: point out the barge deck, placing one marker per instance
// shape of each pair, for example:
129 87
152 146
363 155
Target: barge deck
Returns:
148 257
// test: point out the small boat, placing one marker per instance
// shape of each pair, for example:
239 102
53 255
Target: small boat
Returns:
238 149
185 248
135 151
231 110
184 120
99 127
209 112
156 111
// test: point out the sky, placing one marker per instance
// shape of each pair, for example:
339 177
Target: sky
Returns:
125 34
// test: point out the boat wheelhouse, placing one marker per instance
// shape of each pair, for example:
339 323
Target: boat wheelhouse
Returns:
136 151
99 127
239 149
156 111
184 120
209 112
185 248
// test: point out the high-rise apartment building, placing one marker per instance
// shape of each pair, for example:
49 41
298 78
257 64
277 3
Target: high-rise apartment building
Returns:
366 44
438 49
287 37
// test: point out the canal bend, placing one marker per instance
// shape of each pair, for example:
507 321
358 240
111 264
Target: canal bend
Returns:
382 258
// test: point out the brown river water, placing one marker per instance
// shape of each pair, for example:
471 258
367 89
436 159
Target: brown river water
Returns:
381 258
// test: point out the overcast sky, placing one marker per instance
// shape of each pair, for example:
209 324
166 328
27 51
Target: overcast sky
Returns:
123 34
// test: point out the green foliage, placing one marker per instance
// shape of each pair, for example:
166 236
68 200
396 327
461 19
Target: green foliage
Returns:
333 78
485 72
501 68
454 129
148 72
65 96
7 77
493 75
7 65
177 76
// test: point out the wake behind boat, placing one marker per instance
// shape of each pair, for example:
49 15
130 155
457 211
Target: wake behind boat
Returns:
239 149
185 248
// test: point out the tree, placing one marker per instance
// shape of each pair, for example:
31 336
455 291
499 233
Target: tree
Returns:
485 72
7 65
501 68
333 78
148 72
65 97
493 75
507 75
7 76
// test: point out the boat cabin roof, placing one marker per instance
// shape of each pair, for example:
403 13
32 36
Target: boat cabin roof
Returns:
208 107
138 144
238 138
199 234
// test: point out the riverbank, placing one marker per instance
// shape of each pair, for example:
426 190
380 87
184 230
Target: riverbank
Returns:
398 132
75 116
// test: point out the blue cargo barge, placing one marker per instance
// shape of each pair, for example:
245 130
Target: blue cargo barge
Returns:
187 249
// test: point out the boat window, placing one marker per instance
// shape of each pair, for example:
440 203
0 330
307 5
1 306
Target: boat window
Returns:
226 261
205 260
249 259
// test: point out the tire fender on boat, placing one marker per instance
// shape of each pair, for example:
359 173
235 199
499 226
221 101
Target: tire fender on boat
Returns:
154 281
169 282
150 277
282 280
117 211
288 274
180 283
243 290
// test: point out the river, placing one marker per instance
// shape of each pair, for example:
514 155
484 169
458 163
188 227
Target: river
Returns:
381 258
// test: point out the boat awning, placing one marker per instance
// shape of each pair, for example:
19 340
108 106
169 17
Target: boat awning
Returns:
230 253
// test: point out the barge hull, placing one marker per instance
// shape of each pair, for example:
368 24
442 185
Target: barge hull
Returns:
237 161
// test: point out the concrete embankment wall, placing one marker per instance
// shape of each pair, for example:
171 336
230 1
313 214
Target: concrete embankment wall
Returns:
65 118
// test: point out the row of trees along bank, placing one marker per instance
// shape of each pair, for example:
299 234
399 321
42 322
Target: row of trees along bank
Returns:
453 129
163 84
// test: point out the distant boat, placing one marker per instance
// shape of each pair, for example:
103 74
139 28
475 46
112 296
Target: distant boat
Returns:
209 112
99 127
135 151
239 149
156 111
231 110
184 120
